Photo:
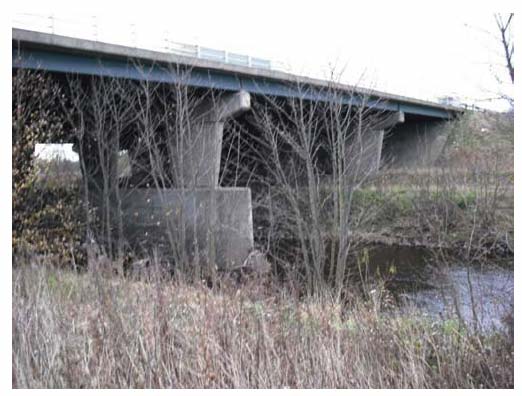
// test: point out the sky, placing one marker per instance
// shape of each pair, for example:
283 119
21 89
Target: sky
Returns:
426 55
56 150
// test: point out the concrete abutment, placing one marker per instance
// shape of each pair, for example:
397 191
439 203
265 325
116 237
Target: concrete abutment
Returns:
416 143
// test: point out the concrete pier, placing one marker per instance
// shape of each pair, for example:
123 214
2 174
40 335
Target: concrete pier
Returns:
199 224
196 218
202 141
414 144
370 147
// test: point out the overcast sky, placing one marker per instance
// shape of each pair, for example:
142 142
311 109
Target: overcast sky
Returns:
424 55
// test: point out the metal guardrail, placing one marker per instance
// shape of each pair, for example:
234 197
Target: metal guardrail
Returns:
197 51
91 28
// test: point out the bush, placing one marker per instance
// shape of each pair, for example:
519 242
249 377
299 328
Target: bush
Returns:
478 137
47 215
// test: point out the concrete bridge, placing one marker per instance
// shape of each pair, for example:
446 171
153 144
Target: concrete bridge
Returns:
409 136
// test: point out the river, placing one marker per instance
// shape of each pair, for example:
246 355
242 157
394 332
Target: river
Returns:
483 297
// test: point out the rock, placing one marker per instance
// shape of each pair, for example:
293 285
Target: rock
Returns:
256 262
255 265
139 268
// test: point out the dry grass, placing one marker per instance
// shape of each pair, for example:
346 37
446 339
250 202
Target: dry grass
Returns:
85 330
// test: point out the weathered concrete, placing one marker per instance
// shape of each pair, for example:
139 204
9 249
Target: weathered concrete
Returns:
388 121
202 143
210 224
371 152
197 218
414 143
369 148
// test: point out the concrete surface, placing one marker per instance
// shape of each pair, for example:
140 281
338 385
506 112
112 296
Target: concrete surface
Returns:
414 144
210 224
202 143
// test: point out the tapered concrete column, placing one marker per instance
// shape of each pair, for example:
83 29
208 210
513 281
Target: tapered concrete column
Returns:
371 152
202 143
369 146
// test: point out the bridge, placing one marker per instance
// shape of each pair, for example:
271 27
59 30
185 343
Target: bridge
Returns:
36 50
410 135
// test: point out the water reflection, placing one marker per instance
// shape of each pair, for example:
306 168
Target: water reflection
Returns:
481 297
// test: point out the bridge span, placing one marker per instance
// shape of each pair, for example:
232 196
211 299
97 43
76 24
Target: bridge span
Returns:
410 136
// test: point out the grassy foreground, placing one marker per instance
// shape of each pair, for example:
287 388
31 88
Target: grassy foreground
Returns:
89 330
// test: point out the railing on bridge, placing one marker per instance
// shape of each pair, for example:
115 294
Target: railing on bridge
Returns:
197 51
91 28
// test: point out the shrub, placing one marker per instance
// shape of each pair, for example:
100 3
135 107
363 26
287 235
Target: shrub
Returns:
46 215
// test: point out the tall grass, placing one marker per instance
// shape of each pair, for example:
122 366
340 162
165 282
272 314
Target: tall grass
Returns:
88 330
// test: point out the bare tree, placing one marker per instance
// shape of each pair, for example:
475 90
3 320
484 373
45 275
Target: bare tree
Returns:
303 160
504 24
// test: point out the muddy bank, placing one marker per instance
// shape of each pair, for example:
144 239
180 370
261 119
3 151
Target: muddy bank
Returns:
493 249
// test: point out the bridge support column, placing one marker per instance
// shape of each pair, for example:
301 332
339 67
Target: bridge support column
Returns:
370 152
99 167
370 146
415 144
201 221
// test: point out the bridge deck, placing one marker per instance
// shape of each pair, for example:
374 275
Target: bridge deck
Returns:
36 50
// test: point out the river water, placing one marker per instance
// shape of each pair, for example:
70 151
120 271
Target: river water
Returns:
481 296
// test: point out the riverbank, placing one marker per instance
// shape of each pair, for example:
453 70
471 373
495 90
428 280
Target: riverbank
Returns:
462 207
468 216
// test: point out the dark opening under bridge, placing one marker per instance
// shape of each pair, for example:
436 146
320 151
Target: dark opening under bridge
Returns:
412 133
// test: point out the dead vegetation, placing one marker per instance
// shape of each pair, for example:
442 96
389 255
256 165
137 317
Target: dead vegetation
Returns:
85 330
